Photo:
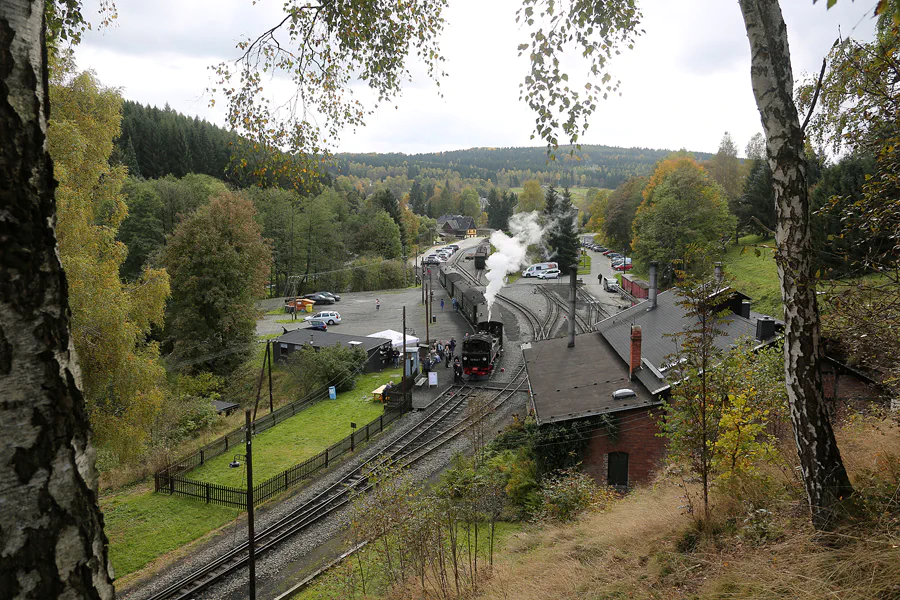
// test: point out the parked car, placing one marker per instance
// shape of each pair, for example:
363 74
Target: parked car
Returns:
453 247
623 267
614 255
599 249
318 325
548 274
606 252
329 316
319 298
431 259
621 260
337 297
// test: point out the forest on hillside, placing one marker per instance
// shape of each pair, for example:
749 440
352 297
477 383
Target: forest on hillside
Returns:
570 166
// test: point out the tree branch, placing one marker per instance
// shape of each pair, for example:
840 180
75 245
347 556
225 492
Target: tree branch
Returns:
812 105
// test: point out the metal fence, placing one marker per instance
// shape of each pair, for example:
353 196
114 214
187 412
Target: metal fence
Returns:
236 437
169 482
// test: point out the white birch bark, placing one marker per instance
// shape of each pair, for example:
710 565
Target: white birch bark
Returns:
823 470
51 531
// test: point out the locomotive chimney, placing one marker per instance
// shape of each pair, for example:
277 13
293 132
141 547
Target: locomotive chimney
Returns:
635 363
651 295
573 282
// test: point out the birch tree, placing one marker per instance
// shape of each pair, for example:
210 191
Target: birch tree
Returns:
51 530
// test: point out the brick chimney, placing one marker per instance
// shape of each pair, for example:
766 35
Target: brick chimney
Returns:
635 362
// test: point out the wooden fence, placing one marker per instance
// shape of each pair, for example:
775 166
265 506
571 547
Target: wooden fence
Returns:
170 482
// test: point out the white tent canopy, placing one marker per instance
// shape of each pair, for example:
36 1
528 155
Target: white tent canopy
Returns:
396 338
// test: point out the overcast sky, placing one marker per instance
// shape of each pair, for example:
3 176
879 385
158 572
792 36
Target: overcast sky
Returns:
686 82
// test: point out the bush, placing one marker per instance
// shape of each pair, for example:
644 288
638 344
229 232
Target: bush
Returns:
339 366
568 493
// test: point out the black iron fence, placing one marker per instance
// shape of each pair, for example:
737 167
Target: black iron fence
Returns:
236 437
169 481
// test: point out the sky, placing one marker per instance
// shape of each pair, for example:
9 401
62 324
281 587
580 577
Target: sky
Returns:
684 85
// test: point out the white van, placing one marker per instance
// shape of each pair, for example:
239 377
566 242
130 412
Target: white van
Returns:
534 269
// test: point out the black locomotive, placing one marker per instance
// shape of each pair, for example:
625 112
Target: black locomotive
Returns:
481 349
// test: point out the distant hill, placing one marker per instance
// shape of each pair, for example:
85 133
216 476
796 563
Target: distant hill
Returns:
589 166
156 142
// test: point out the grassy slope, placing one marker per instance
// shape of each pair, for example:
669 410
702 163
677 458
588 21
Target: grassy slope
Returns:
142 525
304 435
326 588
637 550
756 276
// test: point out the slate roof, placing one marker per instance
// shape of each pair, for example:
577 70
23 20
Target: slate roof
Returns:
573 383
456 223
323 339
667 318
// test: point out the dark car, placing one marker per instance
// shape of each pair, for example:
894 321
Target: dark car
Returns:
318 325
319 298
337 297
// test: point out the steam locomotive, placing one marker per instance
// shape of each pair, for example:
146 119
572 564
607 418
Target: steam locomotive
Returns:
481 349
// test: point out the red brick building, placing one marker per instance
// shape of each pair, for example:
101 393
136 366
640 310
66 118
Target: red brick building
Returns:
619 371
590 380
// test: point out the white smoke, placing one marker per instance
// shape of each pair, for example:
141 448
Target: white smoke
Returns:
511 252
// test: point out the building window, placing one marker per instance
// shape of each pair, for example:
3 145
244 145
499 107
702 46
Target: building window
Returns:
617 469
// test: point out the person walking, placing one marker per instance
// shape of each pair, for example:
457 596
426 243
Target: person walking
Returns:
442 304
449 355
457 371
455 307
377 304
452 345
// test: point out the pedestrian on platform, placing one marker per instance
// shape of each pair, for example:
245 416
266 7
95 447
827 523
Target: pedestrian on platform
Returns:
442 304
455 307
448 356
452 345
377 304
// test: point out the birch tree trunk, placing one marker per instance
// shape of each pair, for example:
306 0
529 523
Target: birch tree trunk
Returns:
52 543
823 470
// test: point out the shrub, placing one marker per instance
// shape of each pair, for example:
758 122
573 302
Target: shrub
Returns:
568 493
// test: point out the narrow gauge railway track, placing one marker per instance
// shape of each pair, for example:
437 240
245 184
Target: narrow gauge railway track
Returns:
581 325
442 425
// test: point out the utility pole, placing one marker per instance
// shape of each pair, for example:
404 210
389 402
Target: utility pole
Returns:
403 360
250 538
427 315
269 354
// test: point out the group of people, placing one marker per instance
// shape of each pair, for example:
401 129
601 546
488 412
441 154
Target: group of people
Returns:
444 351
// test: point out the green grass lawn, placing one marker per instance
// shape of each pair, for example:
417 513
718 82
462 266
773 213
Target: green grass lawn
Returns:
584 265
302 436
329 586
142 525
756 276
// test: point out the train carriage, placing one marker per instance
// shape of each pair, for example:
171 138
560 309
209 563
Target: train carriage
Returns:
481 255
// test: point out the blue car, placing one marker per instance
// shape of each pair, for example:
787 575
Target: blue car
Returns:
318 325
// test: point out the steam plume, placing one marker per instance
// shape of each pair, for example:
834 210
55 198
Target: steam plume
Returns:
510 253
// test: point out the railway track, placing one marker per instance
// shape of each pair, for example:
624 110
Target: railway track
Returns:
447 421
581 325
